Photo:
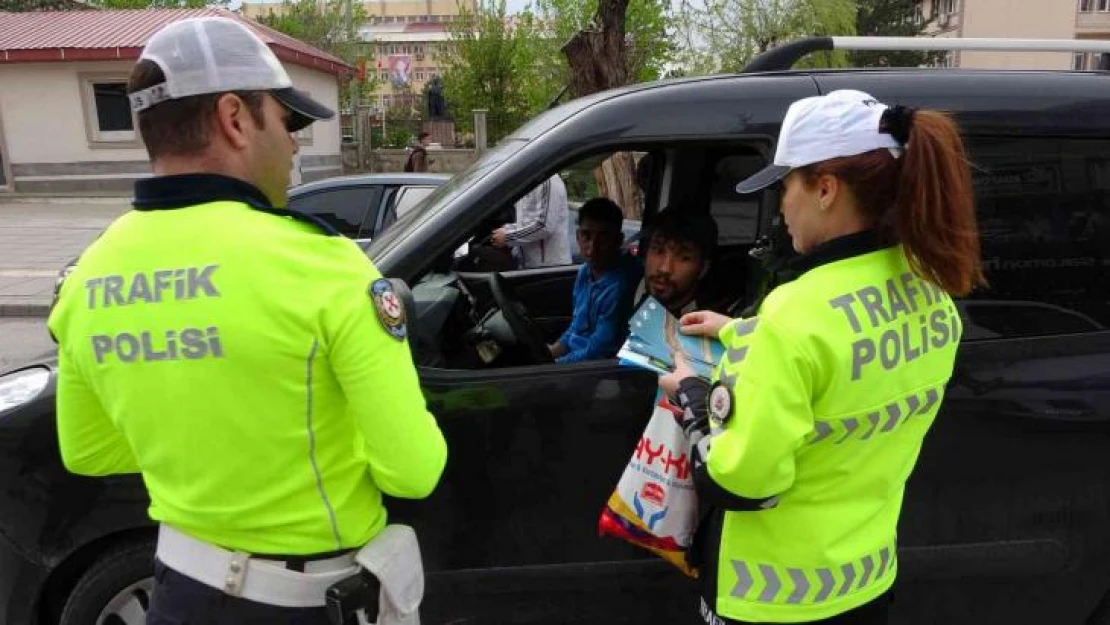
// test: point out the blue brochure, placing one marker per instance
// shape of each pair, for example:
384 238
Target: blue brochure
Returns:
654 338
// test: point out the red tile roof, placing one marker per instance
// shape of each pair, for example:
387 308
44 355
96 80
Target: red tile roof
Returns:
110 35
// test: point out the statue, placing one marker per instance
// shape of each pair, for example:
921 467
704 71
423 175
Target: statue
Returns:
437 106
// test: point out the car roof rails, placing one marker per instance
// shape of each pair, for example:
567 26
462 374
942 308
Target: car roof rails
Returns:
783 58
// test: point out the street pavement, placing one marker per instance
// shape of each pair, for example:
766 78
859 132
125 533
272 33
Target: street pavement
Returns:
21 339
39 236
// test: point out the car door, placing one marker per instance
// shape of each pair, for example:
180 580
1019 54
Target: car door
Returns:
1013 483
534 453
345 208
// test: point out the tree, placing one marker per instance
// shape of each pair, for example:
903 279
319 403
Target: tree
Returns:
602 56
724 35
497 64
328 30
512 65
891 18
648 46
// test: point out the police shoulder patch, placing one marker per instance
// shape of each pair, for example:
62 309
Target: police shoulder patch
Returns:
391 312
720 404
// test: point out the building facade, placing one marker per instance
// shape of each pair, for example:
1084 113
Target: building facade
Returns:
404 59
65 120
1019 19
402 41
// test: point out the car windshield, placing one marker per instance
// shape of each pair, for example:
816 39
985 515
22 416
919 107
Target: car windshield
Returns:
443 195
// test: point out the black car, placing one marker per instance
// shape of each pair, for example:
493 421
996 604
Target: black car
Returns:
1006 519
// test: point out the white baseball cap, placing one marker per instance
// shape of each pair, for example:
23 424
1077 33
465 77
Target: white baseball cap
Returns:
215 55
816 129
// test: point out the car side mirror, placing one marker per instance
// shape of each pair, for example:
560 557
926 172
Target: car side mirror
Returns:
409 302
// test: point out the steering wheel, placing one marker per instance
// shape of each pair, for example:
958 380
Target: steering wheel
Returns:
516 316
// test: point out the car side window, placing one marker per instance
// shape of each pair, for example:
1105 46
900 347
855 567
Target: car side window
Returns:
409 197
345 208
737 216
401 200
601 176
1044 221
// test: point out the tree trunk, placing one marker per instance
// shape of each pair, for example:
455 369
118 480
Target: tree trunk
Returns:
616 180
598 60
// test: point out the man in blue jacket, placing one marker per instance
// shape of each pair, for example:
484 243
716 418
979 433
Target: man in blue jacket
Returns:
604 288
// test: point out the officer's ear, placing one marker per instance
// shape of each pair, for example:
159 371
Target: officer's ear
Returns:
828 190
231 120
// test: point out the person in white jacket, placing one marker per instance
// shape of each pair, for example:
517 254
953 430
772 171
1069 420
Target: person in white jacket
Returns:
540 229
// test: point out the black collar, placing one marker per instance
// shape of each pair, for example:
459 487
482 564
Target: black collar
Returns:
840 248
185 190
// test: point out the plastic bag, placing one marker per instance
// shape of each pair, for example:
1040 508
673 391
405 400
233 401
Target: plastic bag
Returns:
654 505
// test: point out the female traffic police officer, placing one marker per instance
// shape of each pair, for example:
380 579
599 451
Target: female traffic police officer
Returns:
822 400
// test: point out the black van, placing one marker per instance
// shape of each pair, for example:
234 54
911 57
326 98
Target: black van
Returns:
1007 517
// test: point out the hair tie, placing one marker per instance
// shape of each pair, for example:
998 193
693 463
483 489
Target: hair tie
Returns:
897 121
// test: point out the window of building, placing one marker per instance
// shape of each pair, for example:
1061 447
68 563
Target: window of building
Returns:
1086 6
5 175
1044 222
581 181
108 117
1086 61
918 14
419 75
945 59
947 7
385 76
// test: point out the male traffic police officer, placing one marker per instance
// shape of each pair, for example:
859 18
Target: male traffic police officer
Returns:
251 364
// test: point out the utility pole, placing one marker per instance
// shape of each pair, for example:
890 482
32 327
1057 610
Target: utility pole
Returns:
353 96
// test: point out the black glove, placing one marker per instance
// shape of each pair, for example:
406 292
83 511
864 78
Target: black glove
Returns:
693 395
